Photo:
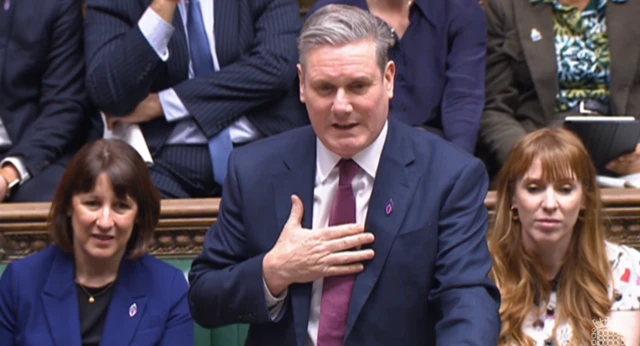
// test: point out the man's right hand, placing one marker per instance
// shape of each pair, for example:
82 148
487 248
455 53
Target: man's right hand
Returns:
302 255
165 9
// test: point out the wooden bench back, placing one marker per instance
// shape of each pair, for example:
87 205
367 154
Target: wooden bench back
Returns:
184 222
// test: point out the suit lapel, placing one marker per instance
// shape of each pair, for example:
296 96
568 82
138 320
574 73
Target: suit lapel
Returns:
127 306
225 29
298 178
60 302
624 35
389 203
535 32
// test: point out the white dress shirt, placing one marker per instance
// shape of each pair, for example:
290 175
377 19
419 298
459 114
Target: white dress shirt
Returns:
158 33
324 192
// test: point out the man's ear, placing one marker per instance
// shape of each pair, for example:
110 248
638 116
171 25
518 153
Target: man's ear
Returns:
389 77
301 84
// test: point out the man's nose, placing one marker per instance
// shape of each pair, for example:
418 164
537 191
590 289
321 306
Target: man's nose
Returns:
341 103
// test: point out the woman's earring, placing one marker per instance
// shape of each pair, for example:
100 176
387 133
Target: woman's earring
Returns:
581 215
513 213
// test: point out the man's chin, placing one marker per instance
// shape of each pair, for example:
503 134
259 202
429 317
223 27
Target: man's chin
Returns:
347 147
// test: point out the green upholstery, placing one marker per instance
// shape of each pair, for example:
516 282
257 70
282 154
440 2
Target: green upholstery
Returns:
233 335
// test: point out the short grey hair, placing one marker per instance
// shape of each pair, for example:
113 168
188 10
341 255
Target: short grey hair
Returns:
337 25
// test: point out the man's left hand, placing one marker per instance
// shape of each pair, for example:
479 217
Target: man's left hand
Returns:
147 110
626 164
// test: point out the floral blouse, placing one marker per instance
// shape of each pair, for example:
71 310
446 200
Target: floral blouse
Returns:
625 290
582 53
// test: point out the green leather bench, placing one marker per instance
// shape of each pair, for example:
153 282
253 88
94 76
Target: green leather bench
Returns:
233 335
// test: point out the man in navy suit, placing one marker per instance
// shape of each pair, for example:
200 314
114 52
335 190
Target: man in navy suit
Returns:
357 230
200 77
43 102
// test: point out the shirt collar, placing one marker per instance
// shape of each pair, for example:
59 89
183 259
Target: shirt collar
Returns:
368 159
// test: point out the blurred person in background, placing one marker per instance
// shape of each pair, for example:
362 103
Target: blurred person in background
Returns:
44 107
199 77
548 59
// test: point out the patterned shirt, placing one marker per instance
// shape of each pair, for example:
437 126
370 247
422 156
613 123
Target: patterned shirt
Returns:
624 291
582 53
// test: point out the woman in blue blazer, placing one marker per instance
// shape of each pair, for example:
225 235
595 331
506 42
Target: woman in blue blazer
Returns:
96 285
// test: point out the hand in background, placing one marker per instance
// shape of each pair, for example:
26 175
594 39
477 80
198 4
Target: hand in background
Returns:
149 109
626 164
166 9
8 173
302 255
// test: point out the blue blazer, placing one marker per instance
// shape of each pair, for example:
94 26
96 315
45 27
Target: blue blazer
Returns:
428 283
39 303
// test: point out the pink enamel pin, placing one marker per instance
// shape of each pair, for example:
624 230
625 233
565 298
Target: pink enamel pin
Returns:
133 310
389 208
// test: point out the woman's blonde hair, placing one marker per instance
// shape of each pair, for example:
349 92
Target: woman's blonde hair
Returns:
585 274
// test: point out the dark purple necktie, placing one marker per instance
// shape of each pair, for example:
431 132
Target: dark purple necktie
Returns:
336 290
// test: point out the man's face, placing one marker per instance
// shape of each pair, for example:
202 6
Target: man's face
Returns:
346 94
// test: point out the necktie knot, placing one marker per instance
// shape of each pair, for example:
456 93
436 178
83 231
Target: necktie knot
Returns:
348 169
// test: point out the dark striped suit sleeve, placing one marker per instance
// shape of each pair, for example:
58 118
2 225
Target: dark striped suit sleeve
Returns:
257 78
121 64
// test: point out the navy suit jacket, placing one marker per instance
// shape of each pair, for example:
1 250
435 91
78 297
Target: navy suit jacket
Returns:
39 303
43 101
428 283
256 50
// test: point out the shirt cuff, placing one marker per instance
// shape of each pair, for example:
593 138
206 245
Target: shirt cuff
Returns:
20 167
274 304
172 107
156 31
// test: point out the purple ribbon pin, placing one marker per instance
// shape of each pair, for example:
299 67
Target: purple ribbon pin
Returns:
389 208
133 309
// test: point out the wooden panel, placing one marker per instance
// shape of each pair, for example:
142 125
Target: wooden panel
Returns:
180 232
184 222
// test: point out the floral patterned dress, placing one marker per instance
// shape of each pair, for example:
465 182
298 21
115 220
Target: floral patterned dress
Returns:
625 292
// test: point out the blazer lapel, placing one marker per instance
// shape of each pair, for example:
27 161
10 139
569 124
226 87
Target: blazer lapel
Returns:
127 306
624 35
60 301
298 177
535 30
225 29
390 200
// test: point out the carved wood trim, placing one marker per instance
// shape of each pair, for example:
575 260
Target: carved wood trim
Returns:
180 232
183 224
